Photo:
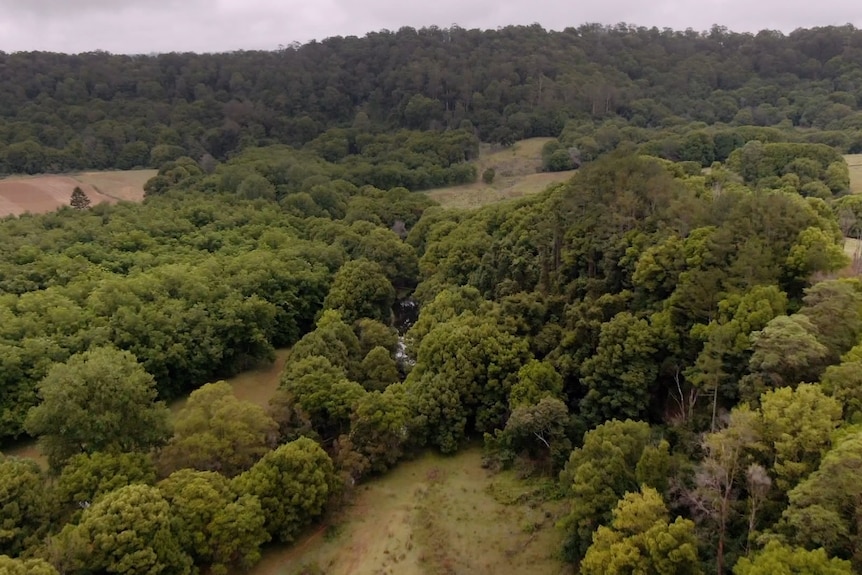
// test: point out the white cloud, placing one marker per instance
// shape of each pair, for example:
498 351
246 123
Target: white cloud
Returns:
143 26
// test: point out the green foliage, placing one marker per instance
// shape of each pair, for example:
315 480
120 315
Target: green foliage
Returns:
620 374
536 380
820 514
597 475
488 176
778 558
24 505
300 468
641 539
100 400
87 476
129 530
464 370
10 566
379 369
214 526
360 289
215 431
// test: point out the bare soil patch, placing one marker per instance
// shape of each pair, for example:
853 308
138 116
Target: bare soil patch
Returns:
46 193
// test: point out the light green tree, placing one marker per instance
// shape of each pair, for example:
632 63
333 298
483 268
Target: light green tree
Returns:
360 289
215 431
129 531
99 400
10 566
776 558
642 539
214 526
24 504
293 484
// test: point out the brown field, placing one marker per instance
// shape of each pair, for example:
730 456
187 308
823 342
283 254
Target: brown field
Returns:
433 515
46 193
854 162
518 175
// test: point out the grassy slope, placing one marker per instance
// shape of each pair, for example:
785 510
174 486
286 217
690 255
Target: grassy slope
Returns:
434 515
852 247
517 176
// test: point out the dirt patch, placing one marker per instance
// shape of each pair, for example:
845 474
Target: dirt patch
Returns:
46 193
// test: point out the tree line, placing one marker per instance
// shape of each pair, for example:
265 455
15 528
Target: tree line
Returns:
98 111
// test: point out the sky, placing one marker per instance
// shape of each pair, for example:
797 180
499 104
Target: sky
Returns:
148 26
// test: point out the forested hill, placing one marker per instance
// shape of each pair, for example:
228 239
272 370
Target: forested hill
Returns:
97 110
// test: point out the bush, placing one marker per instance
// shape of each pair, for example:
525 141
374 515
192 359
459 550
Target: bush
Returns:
488 175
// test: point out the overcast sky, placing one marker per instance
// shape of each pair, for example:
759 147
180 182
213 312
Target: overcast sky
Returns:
145 26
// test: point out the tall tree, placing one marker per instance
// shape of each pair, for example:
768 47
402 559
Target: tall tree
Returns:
99 400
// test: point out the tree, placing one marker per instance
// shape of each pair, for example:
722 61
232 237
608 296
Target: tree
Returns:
214 526
619 376
10 566
360 289
822 509
215 431
87 476
99 400
537 430
24 505
778 558
301 469
379 369
720 473
128 531
796 429
641 539
488 176
79 199
597 475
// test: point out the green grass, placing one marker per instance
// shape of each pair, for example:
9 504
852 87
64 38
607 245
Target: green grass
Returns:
432 516
517 176
854 162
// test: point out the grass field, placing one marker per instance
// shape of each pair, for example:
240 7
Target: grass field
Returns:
854 162
517 176
46 193
434 515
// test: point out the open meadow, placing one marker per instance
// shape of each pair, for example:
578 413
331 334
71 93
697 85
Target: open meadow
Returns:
517 175
46 193
854 162
434 515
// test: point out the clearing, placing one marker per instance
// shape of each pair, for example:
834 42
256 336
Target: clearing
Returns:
434 515
46 193
517 176
854 162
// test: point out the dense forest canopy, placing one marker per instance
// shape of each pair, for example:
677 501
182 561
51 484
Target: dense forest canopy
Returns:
672 338
96 110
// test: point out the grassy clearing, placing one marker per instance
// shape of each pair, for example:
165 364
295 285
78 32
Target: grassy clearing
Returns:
518 175
854 162
433 516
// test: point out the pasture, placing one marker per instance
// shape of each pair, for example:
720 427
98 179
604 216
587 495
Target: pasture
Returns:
854 162
433 515
46 193
517 175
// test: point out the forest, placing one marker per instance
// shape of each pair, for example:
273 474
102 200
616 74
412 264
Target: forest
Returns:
672 338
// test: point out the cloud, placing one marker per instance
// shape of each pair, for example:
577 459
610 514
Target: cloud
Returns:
144 26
